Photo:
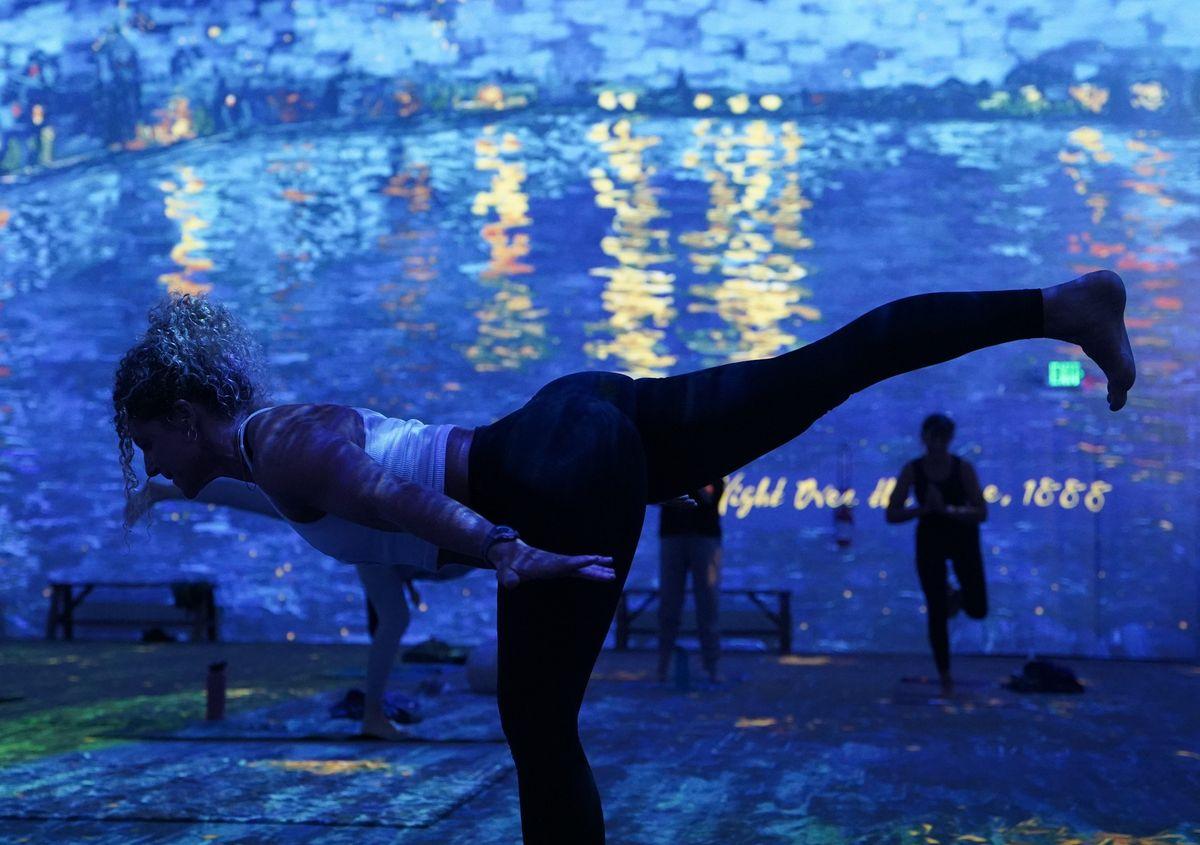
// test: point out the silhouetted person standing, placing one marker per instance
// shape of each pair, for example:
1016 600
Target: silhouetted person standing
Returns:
690 542
949 508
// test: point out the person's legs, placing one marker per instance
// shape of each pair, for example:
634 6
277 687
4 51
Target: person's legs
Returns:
653 439
567 471
685 420
968 569
931 569
705 560
672 577
384 586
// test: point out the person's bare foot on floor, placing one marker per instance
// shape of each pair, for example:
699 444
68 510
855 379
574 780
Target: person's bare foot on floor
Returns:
1090 311
947 685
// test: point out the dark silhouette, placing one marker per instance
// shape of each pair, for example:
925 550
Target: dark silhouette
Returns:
950 507
689 532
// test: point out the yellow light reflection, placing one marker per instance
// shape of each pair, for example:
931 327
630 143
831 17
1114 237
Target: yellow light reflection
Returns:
1134 246
511 330
637 296
747 722
412 185
1033 97
324 767
804 660
1151 96
181 204
417 243
756 208
1091 97
175 123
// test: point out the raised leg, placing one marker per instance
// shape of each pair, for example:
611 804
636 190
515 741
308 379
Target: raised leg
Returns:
703 425
1090 311
968 569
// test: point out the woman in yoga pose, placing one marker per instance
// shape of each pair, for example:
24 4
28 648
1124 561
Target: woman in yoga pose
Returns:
950 506
558 487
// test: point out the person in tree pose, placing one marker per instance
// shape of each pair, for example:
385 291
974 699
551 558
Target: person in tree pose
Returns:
949 509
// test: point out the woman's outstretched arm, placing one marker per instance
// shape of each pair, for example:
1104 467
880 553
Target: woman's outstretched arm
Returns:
231 493
227 492
327 471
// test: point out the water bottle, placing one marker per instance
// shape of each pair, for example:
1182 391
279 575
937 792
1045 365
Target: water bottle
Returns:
683 681
214 692
843 526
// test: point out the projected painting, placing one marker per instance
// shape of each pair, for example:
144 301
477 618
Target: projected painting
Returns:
432 209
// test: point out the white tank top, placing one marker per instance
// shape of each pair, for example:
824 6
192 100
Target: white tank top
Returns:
412 451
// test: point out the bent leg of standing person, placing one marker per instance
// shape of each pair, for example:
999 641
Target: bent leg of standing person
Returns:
704 555
700 425
672 581
568 473
968 569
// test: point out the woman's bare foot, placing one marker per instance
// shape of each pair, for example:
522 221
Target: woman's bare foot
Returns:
947 684
1090 311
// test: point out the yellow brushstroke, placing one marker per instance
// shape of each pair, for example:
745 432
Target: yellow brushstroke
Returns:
324 767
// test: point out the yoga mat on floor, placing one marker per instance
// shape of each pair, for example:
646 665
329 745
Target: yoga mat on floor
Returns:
978 692
455 716
403 672
376 785
450 717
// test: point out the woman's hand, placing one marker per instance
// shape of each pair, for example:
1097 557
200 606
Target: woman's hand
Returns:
517 562
684 502
141 501
934 503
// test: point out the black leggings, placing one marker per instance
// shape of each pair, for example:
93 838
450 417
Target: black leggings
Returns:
574 468
961 547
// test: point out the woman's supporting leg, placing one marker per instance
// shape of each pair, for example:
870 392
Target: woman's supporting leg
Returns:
568 472
931 569
703 425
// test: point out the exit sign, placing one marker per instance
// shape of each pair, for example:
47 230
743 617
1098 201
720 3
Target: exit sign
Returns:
1065 374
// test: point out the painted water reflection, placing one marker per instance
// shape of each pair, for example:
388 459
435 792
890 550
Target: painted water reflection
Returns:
447 273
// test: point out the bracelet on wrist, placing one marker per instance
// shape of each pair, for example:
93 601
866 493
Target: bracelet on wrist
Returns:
498 534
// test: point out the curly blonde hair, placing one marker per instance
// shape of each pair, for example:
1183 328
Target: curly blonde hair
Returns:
194 349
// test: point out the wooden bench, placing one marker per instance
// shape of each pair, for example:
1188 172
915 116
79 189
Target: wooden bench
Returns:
192 607
769 615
